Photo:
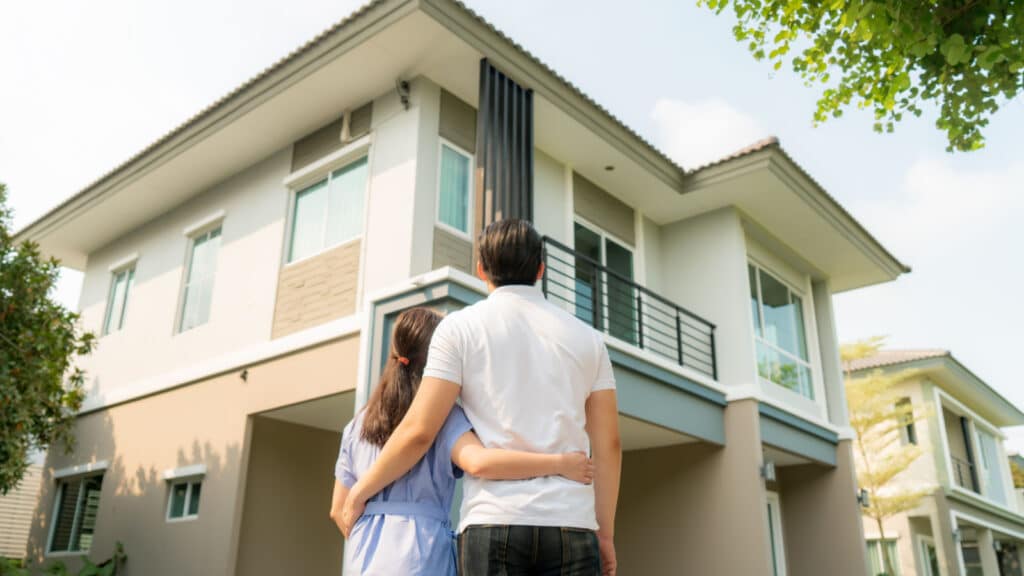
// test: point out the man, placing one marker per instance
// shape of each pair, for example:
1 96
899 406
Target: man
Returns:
531 377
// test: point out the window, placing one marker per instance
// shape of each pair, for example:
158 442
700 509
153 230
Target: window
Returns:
117 299
908 433
929 557
605 301
779 332
775 542
329 212
991 471
74 516
202 264
876 564
454 193
972 559
183 500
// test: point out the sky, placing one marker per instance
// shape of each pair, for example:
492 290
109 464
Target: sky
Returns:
88 84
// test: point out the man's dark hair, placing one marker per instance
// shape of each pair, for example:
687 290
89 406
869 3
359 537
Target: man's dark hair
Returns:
511 252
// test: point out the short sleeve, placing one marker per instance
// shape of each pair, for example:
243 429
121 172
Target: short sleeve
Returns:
343 470
454 427
444 360
605 379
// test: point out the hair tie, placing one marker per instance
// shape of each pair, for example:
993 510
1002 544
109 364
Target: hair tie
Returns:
403 360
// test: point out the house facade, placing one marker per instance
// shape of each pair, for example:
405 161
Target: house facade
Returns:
971 523
243 273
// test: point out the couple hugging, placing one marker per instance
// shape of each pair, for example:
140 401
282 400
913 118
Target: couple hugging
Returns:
536 396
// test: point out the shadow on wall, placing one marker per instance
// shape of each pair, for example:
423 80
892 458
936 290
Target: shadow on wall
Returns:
133 503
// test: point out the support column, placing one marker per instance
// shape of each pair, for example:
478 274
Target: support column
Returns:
822 519
987 551
696 508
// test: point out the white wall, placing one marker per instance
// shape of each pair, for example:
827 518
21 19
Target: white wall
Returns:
703 267
241 311
401 206
552 200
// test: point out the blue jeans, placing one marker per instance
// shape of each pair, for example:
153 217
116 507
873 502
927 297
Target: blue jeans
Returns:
495 550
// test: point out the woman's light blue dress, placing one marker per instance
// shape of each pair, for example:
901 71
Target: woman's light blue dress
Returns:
405 529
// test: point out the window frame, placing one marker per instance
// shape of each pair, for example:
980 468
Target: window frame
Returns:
300 182
923 542
805 317
777 542
127 268
604 235
880 546
61 481
908 430
189 482
470 192
193 234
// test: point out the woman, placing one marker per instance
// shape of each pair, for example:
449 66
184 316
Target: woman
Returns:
405 528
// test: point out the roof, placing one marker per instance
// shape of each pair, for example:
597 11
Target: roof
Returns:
226 100
892 357
953 376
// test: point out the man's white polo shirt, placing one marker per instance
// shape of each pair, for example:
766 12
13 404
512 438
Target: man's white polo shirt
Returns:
526 368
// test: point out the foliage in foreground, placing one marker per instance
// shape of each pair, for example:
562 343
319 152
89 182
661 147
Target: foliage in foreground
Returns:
110 567
965 57
40 389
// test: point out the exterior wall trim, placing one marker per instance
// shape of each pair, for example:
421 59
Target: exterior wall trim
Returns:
81 469
792 434
185 472
675 380
320 168
969 498
333 330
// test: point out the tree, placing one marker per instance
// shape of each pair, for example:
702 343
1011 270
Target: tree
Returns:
1018 474
876 416
40 388
966 57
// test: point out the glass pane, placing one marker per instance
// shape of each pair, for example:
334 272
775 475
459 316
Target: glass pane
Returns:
755 307
346 193
933 560
894 560
115 302
588 243
783 321
178 493
783 370
202 266
874 560
621 296
87 516
454 190
308 222
193 503
994 487
798 319
67 501
124 302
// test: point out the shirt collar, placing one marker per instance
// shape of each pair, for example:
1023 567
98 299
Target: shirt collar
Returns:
529 292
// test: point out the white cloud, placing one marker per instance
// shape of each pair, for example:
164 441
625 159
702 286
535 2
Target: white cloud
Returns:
694 134
960 231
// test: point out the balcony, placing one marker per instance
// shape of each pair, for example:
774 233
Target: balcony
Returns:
616 305
964 475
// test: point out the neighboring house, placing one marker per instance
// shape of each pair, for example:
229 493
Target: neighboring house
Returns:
972 523
16 508
244 272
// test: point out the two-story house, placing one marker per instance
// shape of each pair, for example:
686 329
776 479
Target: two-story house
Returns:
244 270
971 523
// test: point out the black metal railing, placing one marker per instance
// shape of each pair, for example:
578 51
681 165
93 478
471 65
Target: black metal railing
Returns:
616 305
964 474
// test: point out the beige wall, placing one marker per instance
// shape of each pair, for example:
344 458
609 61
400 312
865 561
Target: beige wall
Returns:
317 289
451 250
327 139
285 528
201 423
603 209
821 518
696 508
16 509
457 122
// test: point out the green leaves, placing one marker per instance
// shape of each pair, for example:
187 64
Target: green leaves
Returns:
40 388
965 59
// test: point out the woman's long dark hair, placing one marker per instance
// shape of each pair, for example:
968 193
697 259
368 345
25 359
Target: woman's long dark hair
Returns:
393 395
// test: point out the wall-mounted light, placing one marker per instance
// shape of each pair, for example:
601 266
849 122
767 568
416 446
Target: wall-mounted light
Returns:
956 535
997 545
402 88
244 375
768 471
864 498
